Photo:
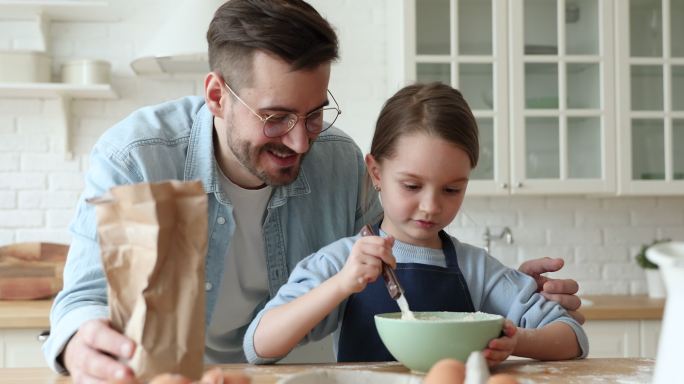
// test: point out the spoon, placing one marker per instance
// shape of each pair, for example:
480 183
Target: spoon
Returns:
395 289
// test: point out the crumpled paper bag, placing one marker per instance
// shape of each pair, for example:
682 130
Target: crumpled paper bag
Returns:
153 243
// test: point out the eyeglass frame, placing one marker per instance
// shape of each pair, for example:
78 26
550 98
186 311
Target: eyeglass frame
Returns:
290 122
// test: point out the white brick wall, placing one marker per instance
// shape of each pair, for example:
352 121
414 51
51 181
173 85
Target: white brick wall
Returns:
38 187
597 237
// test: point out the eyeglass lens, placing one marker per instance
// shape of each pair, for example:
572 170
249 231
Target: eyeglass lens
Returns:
316 122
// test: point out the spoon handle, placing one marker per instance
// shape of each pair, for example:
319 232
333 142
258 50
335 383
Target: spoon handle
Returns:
391 282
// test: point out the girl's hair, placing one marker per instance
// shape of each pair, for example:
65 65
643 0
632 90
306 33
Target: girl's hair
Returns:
435 109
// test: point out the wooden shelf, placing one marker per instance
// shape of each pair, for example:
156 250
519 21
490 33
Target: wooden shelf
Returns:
56 90
61 10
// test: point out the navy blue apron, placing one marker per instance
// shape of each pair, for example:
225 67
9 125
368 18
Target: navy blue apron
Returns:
426 287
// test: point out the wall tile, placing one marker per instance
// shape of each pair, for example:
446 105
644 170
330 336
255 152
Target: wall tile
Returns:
21 218
70 181
48 235
6 237
22 181
59 218
48 163
7 125
9 162
8 200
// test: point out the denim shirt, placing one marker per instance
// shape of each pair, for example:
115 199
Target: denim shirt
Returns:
329 200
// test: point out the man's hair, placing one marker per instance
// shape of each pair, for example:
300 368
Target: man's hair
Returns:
289 29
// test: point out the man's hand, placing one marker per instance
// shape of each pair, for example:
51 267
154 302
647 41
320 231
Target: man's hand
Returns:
91 354
560 290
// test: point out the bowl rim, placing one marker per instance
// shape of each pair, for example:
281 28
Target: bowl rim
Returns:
488 317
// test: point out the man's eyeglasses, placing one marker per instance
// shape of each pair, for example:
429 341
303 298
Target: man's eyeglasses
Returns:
279 124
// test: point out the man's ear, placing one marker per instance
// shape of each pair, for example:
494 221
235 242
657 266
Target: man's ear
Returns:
373 168
214 95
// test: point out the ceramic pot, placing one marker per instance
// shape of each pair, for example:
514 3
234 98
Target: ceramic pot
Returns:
670 259
24 67
86 72
654 281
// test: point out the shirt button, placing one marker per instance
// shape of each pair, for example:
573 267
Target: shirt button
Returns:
208 286
221 220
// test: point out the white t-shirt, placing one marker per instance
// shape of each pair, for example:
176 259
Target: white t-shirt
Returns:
245 278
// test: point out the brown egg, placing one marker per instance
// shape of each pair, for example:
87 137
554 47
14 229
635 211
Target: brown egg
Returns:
446 371
217 376
169 378
502 378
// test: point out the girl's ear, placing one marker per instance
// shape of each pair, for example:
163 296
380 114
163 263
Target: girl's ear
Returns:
373 169
213 94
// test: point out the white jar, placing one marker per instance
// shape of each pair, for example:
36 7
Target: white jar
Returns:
24 67
86 72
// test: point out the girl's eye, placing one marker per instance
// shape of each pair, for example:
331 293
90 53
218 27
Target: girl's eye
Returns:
452 190
411 187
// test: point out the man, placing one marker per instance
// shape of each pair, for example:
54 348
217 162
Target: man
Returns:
280 184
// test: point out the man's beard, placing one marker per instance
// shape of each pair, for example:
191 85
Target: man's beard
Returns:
248 156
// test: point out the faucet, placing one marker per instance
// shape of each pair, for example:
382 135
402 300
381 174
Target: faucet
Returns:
506 234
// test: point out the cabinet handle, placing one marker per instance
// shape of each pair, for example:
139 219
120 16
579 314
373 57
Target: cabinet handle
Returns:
519 184
43 336
504 185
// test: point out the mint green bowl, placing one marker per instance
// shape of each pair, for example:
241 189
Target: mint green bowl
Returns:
420 343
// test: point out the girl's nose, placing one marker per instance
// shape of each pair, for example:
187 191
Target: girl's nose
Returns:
429 203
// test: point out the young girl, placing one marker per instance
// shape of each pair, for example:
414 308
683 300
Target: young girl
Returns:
424 147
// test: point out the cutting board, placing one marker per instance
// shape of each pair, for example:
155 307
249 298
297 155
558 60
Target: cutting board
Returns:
30 271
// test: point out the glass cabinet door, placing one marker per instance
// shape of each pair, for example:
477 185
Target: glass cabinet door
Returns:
563 132
651 107
463 43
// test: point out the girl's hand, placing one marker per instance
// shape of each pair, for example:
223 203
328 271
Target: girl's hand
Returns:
499 349
364 264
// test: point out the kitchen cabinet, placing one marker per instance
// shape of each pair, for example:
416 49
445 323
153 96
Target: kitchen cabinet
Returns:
622 325
21 348
43 12
464 43
562 128
21 322
623 338
536 73
558 86
650 96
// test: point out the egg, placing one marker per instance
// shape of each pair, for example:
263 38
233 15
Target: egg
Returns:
502 379
446 371
168 378
217 376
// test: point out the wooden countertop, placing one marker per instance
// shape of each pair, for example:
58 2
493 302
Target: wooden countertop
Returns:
34 314
526 371
622 307
25 314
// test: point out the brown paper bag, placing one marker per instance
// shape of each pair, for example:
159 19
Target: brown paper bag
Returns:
153 242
